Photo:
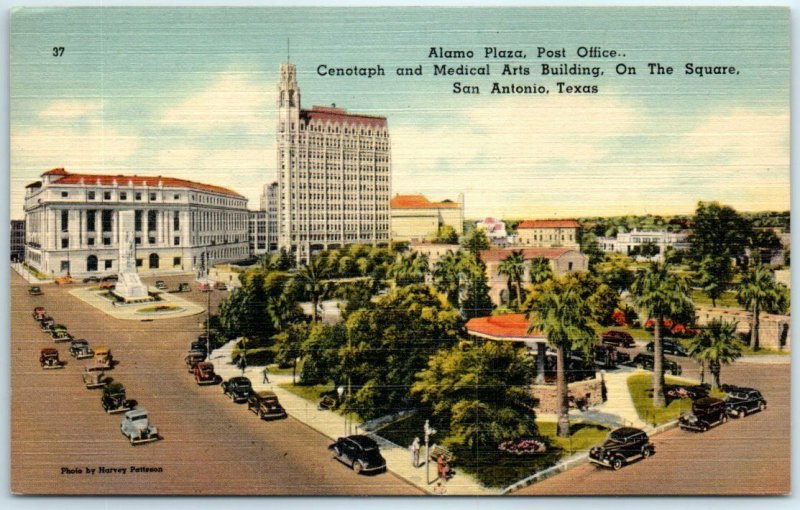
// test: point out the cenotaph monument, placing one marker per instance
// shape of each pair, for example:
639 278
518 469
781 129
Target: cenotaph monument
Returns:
129 286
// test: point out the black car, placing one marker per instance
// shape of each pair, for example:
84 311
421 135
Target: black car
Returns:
670 347
617 338
199 346
35 290
265 405
622 446
706 413
91 279
238 388
161 284
647 361
743 401
359 452
607 356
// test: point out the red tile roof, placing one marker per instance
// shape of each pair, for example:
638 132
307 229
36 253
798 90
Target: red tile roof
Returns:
498 254
329 114
510 327
137 180
548 224
419 202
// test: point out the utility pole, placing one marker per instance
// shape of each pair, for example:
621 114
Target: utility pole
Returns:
428 433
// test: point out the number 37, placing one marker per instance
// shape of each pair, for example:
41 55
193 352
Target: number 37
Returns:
58 51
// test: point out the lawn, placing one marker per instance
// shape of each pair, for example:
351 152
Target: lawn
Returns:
492 467
310 393
726 300
640 387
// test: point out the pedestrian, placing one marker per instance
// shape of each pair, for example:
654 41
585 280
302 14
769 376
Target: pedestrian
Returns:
265 373
415 452
440 468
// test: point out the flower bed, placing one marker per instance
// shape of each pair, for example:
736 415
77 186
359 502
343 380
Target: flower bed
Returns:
522 447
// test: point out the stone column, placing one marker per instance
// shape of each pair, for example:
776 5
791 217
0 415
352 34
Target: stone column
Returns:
541 353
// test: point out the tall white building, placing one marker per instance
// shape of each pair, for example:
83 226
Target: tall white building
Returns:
71 223
334 174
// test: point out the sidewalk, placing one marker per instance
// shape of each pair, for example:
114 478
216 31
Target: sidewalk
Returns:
27 275
332 425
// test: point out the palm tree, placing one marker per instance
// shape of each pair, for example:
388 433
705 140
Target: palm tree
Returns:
759 291
513 267
661 295
559 312
721 347
696 350
409 268
540 270
313 283
447 276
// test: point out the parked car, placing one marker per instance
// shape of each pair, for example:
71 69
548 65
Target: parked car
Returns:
608 356
107 285
205 287
136 426
46 323
91 279
670 347
743 401
199 346
204 373
94 379
39 313
48 358
80 349
622 446
111 278
266 405
220 286
103 360
359 452
184 287
617 338
193 358
238 389
160 284
114 400
706 413
64 280
35 290
59 333
647 361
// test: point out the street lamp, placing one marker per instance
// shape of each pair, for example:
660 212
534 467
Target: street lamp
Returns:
340 392
428 433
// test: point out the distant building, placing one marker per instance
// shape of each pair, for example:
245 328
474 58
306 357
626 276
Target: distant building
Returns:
432 250
257 232
495 231
71 223
562 261
271 206
549 233
415 218
629 243
17 240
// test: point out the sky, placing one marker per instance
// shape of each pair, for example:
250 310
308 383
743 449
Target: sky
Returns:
191 93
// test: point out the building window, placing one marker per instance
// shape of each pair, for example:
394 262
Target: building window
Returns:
90 221
176 261
177 196
106 241
91 195
177 241
138 262
176 220
569 266
153 261
108 263
105 219
64 194
65 243
106 195
152 196
64 221
90 241
137 221
91 263
137 196
123 195
151 240
151 220
65 266
138 240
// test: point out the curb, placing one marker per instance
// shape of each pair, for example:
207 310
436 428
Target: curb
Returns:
559 468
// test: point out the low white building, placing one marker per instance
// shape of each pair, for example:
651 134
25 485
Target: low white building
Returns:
629 243
71 223
495 231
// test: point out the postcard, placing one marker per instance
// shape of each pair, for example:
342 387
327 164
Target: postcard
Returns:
400 251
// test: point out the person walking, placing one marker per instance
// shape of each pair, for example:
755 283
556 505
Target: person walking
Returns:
415 452
265 373
440 468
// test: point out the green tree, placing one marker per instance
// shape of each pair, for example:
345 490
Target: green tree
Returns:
290 346
446 234
719 347
661 295
717 229
513 267
603 302
409 268
479 393
540 270
461 276
590 249
615 272
559 311
320 352
714 276
758 291
312 279
475 241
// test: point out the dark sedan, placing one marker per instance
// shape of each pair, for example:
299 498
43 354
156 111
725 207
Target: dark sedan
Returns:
238 389
359 452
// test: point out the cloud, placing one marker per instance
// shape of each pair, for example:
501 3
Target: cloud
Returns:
71 110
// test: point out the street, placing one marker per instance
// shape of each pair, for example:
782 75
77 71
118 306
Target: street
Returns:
211 446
